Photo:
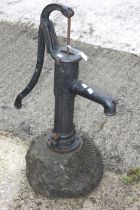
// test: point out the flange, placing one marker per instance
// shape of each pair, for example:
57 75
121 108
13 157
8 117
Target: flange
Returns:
63 144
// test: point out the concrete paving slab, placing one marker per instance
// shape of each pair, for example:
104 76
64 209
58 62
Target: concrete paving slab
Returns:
12 164
112 24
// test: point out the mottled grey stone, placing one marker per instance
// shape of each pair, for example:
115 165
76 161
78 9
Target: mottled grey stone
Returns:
63 175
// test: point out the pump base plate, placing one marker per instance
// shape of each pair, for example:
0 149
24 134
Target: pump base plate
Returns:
63 175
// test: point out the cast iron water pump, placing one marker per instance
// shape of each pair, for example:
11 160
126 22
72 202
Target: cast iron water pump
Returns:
63 162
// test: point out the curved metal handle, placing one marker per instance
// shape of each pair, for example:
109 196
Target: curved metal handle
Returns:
46 35
47 25
66 11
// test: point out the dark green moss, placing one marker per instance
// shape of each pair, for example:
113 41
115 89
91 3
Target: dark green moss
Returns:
132 176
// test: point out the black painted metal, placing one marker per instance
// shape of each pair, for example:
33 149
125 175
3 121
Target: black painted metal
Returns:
66 70
63 138
96 95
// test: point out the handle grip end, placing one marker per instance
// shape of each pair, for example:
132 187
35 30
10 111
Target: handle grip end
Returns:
17 103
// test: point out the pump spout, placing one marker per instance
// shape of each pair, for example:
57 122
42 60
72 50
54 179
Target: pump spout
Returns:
80 88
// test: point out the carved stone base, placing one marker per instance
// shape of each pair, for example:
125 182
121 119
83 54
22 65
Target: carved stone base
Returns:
63 175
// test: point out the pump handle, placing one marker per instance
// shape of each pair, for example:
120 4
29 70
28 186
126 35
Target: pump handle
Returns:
46 35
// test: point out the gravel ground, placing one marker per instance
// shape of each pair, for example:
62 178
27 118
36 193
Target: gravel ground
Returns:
112 194
117 137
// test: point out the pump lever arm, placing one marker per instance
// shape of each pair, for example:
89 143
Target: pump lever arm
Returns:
48 27
37 71
46 35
